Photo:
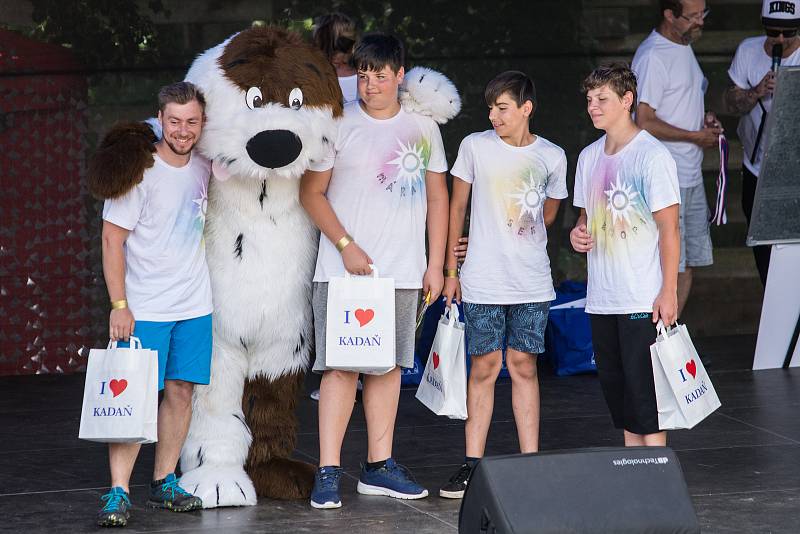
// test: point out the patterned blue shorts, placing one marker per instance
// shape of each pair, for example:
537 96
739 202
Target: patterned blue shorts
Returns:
521 326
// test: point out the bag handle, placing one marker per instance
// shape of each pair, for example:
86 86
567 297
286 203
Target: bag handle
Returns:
135 342
452 313
371 266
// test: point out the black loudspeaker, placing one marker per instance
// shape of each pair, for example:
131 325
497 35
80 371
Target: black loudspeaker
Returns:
603 490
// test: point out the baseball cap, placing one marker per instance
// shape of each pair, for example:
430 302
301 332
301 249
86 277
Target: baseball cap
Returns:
781 13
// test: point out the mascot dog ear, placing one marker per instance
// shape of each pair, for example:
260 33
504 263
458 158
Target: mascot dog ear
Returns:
430 93
119 162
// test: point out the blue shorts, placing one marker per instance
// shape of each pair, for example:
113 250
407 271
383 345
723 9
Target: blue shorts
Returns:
521 326
184 348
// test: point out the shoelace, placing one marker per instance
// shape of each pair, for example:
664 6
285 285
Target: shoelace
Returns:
400 472
173 487
113 499
327 481
462 475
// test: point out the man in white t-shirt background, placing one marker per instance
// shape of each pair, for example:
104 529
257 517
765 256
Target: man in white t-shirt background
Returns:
671 88
750 96
155 269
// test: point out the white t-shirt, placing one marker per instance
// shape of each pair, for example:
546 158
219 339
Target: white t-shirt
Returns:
748 68
377 191
166 276
507 259
349 86
619 193
670 81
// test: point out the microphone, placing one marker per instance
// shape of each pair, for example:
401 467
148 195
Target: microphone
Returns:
777 54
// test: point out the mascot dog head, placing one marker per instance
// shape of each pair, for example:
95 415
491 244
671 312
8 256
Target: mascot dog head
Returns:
272 104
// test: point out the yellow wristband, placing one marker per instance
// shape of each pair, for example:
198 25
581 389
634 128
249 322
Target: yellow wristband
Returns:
119 304
451 273
343 242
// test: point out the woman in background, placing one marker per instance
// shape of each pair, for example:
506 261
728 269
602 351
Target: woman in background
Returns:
335 34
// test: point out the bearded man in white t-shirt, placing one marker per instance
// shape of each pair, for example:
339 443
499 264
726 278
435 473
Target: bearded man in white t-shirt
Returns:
155 269
750 95
671 89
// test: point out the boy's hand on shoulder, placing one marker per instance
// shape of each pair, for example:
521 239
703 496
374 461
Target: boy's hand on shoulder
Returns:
580 239
356 260
665 307
433 282
452 291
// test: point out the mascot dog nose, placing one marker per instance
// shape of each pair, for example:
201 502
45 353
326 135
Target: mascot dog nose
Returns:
274 148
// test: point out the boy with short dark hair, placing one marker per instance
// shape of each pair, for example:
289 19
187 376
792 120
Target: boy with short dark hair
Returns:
371 199
626 185
517 180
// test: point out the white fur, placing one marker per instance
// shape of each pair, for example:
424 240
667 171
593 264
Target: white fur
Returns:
431 93
262 312
220 485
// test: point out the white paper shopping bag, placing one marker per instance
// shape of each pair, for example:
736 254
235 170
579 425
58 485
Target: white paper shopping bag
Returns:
684 392
120 397
360 324
443 388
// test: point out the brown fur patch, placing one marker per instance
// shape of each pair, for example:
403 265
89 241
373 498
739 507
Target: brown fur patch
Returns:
276 61
119 162
269 409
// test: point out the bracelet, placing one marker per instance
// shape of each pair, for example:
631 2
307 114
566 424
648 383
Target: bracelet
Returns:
119 304
451 273
343 242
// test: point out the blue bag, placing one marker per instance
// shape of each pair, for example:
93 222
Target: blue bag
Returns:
568 337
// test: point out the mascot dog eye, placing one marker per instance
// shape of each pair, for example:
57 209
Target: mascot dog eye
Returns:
253 98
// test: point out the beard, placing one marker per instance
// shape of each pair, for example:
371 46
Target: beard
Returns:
692 34
176 150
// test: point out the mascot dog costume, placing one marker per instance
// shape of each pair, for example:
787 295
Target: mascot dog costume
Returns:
272 101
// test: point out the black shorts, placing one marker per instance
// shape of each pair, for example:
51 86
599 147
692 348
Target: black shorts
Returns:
622 354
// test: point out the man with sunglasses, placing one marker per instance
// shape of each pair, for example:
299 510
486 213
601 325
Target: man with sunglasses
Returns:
671 107
750 95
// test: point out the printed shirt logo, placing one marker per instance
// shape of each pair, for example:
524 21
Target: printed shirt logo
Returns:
621 199
530 196
202 207
405 174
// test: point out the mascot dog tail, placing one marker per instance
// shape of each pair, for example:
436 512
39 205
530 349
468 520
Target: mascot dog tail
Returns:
119 162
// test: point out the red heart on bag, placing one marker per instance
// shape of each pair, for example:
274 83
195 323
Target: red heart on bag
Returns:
692 368
435 360
117 386
364 316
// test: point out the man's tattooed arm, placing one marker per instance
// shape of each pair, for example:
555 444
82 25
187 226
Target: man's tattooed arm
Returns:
740 101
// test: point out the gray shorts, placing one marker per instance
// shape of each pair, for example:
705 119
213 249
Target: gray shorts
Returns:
405 320
696 249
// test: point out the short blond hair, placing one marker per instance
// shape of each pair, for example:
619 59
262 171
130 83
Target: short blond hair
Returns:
180 93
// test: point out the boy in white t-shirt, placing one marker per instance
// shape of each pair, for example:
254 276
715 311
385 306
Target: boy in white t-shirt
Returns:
517 180
626 185
372 199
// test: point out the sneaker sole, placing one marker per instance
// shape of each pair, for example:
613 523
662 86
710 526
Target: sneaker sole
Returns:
112 522
367 489
171 508
451 494
327 506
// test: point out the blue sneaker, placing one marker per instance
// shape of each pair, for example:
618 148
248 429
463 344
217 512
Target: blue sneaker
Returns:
168 494
326 488
115 511
392 480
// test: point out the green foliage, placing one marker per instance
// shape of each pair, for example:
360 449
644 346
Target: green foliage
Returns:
102 33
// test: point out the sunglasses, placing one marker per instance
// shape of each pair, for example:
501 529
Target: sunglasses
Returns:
776 33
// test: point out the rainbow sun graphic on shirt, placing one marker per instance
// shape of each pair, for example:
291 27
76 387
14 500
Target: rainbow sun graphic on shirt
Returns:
410 162
530 195
202 205
621 201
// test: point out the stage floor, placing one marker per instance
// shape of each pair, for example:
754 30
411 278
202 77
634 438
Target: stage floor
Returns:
742 465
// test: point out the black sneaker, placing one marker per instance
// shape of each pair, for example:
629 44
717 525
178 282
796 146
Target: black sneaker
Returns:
168 494
457 485
114 512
